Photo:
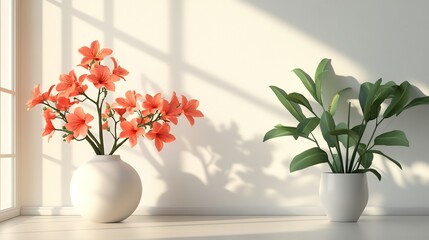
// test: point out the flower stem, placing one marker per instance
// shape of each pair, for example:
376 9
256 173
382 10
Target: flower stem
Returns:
116 146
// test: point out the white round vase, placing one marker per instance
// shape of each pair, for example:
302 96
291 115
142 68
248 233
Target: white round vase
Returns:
105 189
343 196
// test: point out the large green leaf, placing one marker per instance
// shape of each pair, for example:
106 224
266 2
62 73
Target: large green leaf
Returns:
321 68
307 125
281 131
392 138
384 155
400 100
366 159
334 103
415 102
353 135
361 148
385 91
342 138
375 172
367 94
299 99
359 129
327 125
307 81
363 94
308 158
292 107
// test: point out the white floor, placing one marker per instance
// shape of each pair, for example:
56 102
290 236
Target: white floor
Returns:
216 228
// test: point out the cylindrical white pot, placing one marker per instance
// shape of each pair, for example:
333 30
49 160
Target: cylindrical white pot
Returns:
343 196
105 189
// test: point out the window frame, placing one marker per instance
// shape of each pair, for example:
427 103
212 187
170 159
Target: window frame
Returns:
13 210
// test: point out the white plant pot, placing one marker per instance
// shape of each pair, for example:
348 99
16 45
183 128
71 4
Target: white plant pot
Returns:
343 196
105 189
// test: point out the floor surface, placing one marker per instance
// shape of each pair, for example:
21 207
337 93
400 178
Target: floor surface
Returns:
216 228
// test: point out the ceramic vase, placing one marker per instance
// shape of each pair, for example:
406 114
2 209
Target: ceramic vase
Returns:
343 196
105 189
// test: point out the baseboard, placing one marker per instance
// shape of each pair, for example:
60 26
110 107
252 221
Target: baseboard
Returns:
217 211
48 211
8 214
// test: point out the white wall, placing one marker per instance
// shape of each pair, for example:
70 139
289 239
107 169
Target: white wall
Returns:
226 54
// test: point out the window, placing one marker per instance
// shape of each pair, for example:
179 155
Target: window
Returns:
7 109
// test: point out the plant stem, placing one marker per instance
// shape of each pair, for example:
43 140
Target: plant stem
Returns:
340 155
96 150
348 140
333 157
115 147
357 146
92 137
377 123
99 106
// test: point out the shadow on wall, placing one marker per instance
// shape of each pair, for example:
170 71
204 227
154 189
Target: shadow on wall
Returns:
231 171
234 169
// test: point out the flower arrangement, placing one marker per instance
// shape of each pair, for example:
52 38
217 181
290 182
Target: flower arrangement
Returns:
125 119
349 147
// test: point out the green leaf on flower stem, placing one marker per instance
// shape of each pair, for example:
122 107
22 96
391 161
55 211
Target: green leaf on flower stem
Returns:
281 131
334 103
292 107
307 125
392 138
375 172
366 159
307 81
400 99
327 125
384 155
321 68
299 99
308 158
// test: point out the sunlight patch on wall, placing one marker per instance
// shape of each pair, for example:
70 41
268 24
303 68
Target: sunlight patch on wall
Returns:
419 172
95 9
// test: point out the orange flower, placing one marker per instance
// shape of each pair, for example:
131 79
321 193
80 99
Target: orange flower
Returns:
49 115
38 97
101 77
80 88
118 70
130 101
120 112
93 53
67 84
161 134
171 110
64 103
131 131
77 122
190 109
68 138
105 125
152 104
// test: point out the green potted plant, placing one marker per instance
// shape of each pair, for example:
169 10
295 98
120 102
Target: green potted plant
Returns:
347 148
